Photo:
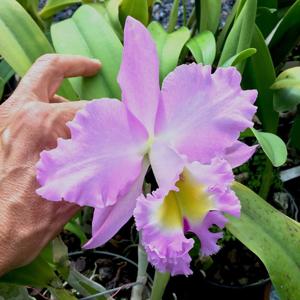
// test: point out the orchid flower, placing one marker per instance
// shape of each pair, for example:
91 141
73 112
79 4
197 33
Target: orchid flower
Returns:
187 131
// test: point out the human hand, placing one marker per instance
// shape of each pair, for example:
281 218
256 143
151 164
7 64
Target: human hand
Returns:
31 120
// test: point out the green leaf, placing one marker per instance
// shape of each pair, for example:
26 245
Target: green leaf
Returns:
61 294
210 15
137 9
110 10
266 20
87 33
22 41
260 74
295 132
6 72
28 275
13 292
235 60
76 229
54 6
203 47
286 34
240 35
267 3
273 146
31 6
169 46
173 16
273 237
287 90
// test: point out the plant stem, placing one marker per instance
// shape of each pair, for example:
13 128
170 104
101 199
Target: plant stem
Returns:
267 179
159 285
137 291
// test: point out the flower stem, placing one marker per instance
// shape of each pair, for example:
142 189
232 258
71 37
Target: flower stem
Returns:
159 285
137 291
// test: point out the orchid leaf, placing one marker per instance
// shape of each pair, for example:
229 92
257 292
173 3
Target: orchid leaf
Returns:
169 46
295 132
87 33
13 292
240 35
137 9
273 146
267 3
273 237
22 42
266 20
203 47
236 59
210 15
110 10
259 74
54 6
173 16
6 72
61 294
286 35
76 229
287 90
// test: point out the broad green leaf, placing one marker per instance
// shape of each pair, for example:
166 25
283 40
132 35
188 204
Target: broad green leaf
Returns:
286 35
110 10
273 146
2 85
6 72
233 61
210 15
31 6
203 47
266 19
61 294
287 90
137 9
169 46
267 3
87 33
13 292
259 74
76 229
273 237
22 41
173 16
54 6
240 35
28 275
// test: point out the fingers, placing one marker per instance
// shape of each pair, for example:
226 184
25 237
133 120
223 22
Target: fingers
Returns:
47 73
58 99
69 108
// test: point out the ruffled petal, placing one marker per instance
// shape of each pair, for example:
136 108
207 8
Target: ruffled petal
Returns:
107 221
201 114
139 73
208 238
100 162
239 153
167 247
166 164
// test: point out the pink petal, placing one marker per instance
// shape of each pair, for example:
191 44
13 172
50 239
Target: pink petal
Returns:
207 238
100 162
239 153
139 73
166 164
167 249
107 221
201 114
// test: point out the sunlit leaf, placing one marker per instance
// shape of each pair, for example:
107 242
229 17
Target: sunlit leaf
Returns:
235 60
273 237
203 47
54 6
210 15
273 146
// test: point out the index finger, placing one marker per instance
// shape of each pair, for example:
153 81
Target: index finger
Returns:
47 73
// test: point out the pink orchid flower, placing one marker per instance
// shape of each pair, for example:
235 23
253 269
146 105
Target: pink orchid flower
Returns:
187 131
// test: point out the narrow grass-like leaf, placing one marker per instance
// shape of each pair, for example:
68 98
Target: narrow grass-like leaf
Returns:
87 33
203 47
233 61
54 6
169 46
273 237
273 146
210 15
260 74
173 16
286 35
22 41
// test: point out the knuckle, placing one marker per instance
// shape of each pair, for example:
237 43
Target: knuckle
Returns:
33 114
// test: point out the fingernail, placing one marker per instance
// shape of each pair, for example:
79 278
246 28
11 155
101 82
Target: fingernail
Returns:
95 60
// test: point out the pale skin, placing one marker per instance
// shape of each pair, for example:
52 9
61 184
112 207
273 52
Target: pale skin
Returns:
31 120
